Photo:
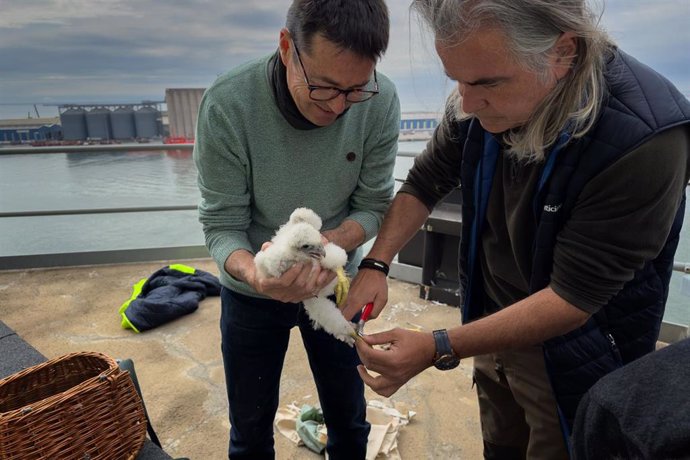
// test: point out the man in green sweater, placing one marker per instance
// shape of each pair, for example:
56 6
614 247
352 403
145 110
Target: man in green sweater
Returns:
311 125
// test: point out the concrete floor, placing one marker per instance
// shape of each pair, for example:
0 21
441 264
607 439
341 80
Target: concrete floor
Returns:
180 368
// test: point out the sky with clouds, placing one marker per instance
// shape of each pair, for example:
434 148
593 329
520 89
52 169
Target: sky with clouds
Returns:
80 51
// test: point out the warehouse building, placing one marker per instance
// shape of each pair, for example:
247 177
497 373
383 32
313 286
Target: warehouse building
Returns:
25 130
418 125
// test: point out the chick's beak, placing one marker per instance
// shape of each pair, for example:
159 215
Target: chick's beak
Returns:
318 252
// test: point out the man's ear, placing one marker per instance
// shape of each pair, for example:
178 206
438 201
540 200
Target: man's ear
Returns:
565 51
284 45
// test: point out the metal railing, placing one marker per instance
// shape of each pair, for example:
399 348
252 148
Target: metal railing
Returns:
111 256
683 267
74 212
132 147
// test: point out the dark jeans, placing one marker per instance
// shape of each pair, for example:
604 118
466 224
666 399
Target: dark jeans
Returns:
255 334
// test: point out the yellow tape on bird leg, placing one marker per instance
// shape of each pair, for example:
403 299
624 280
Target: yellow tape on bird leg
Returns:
342 288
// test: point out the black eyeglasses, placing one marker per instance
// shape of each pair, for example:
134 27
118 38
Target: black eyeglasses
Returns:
328 93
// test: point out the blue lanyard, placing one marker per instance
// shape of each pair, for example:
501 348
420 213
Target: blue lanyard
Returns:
482 188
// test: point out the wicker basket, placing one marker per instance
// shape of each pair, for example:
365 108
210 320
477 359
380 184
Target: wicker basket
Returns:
78 406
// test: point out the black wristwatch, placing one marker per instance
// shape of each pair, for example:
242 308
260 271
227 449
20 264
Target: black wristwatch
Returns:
445 358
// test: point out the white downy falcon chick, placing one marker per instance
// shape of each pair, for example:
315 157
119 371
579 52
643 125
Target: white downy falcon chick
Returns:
292 243
299 240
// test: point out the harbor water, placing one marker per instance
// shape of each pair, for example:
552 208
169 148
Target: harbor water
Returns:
142 179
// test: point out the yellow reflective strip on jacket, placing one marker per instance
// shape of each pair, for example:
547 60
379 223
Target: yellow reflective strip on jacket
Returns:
183 268
342 288
126 324
136 290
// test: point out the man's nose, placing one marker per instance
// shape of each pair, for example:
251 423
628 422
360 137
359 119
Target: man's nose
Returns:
471 99
337 105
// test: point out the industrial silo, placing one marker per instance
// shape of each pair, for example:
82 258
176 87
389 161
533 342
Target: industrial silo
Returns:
146 122
73 123
98 123
122 122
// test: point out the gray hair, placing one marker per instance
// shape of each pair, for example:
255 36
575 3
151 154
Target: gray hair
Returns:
533 27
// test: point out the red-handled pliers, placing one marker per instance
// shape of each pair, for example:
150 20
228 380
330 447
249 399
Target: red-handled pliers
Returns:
366 312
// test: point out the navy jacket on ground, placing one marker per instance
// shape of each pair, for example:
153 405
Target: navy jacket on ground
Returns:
166 295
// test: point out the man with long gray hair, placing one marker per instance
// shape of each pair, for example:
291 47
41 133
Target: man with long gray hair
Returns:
573 159
309 125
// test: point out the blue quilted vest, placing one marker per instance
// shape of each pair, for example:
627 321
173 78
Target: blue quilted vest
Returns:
640 104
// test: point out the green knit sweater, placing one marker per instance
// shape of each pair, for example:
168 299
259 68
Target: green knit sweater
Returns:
255 168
